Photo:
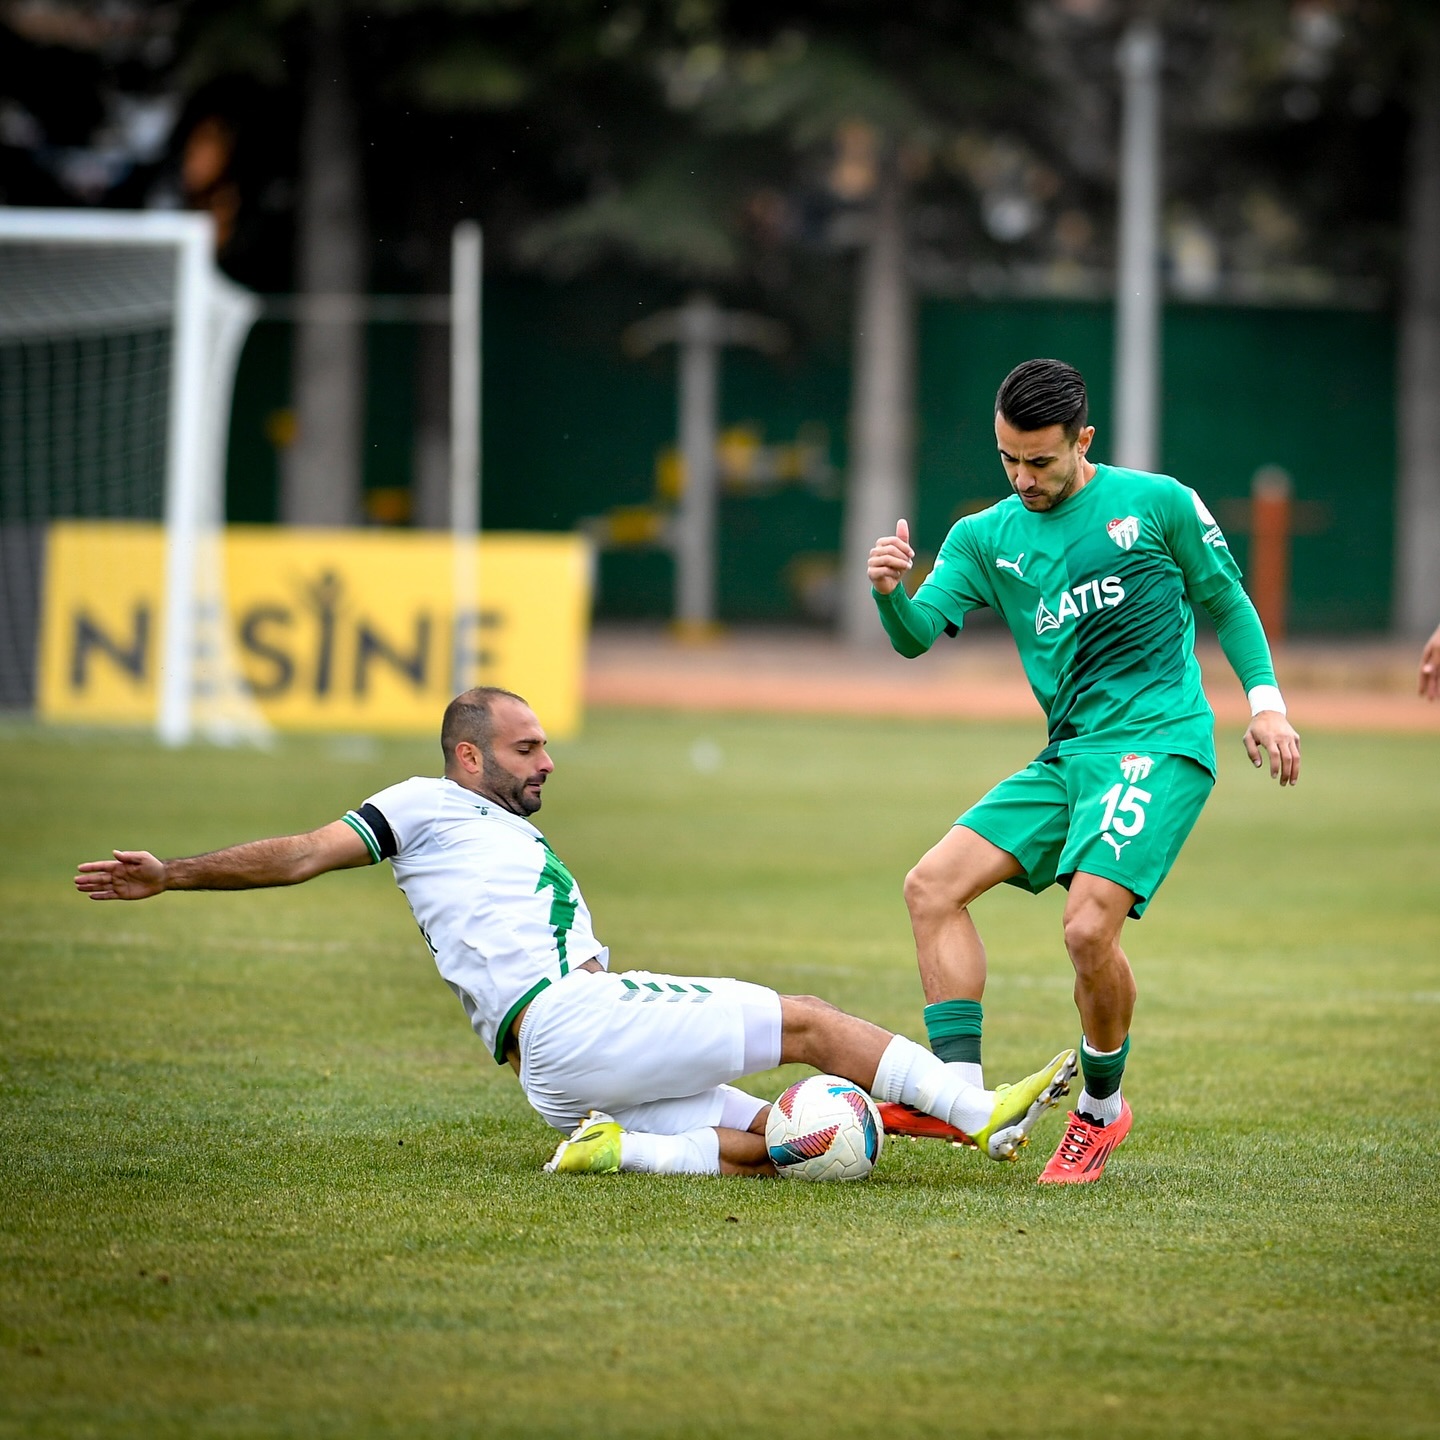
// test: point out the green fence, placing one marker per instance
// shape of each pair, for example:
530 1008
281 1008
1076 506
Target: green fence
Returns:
574 429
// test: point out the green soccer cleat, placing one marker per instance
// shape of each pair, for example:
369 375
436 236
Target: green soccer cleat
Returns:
1019 1106
592 1149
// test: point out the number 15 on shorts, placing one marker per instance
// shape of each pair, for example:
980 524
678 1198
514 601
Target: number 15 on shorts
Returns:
1144 817
1124 809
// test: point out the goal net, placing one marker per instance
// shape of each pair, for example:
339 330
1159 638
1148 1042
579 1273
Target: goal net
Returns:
119 341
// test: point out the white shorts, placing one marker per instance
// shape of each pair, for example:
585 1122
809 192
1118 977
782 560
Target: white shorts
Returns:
654 1051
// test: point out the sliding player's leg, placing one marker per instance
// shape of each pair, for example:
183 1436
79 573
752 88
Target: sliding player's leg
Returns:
652 1053
703 1134
645 1058
898 1071
672 1137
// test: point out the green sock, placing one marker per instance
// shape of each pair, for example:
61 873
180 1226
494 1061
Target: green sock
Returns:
954 1030
1102 1071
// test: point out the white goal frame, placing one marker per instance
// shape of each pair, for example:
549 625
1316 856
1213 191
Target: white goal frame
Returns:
210 320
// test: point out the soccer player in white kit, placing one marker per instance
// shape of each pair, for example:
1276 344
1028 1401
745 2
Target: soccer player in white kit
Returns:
638 1064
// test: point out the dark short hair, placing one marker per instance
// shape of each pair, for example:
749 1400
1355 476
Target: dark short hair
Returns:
1041 393
468 717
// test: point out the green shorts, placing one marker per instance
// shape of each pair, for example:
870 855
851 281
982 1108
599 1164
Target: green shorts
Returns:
1123 816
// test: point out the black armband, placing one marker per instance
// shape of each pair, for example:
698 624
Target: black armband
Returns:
374 829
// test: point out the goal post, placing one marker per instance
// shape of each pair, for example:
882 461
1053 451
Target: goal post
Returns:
119 342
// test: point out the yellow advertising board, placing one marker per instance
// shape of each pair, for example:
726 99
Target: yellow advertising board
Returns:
349 630
100 622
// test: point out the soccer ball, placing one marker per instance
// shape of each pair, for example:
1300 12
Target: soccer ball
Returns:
824 1128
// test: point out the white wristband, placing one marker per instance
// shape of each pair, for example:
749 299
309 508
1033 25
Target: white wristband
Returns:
1265 697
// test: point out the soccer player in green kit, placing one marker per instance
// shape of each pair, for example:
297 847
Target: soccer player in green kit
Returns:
1094 569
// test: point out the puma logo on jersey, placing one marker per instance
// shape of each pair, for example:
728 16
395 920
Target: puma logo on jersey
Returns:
1082 600
1011 564
1116 845
1136 768
1124 532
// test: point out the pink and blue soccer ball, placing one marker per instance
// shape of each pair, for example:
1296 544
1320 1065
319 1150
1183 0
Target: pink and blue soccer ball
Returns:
824 1128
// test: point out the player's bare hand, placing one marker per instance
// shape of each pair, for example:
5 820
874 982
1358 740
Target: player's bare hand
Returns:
1271 732
890 557
131 875
1430 667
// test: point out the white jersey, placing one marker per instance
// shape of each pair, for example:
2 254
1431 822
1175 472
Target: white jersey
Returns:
501 914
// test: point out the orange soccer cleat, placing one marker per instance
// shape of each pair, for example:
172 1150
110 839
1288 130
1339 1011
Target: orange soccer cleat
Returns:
1081 1155
917 1125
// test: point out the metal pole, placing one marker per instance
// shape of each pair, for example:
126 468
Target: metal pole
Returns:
1137 287
466 260
881 486
699 404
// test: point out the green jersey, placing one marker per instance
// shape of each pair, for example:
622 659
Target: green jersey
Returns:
1098 594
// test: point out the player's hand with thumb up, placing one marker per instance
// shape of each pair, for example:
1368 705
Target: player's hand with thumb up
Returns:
890 557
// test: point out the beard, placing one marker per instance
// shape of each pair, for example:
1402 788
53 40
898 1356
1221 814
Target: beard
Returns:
508 790
1049 502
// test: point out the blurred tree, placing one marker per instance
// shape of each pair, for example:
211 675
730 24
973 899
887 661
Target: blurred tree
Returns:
748 147
1302 165
489 106
317 59
321 484
869 108
500 110
84 112
303 50
1283 137
1417 578
1327 114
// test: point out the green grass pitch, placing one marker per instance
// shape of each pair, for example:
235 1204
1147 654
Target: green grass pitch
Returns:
257 1178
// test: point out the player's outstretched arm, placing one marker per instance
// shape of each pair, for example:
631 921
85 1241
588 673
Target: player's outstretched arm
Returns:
1430 667
285 860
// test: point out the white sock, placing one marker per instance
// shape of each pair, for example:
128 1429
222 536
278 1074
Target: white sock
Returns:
972 1072
908 1074
696 1152
1106 1111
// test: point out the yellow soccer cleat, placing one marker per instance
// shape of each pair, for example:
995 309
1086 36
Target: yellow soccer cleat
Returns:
1019 1106
592 1149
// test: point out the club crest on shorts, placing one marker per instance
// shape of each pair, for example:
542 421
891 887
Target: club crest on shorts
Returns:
1124 532
1135 767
